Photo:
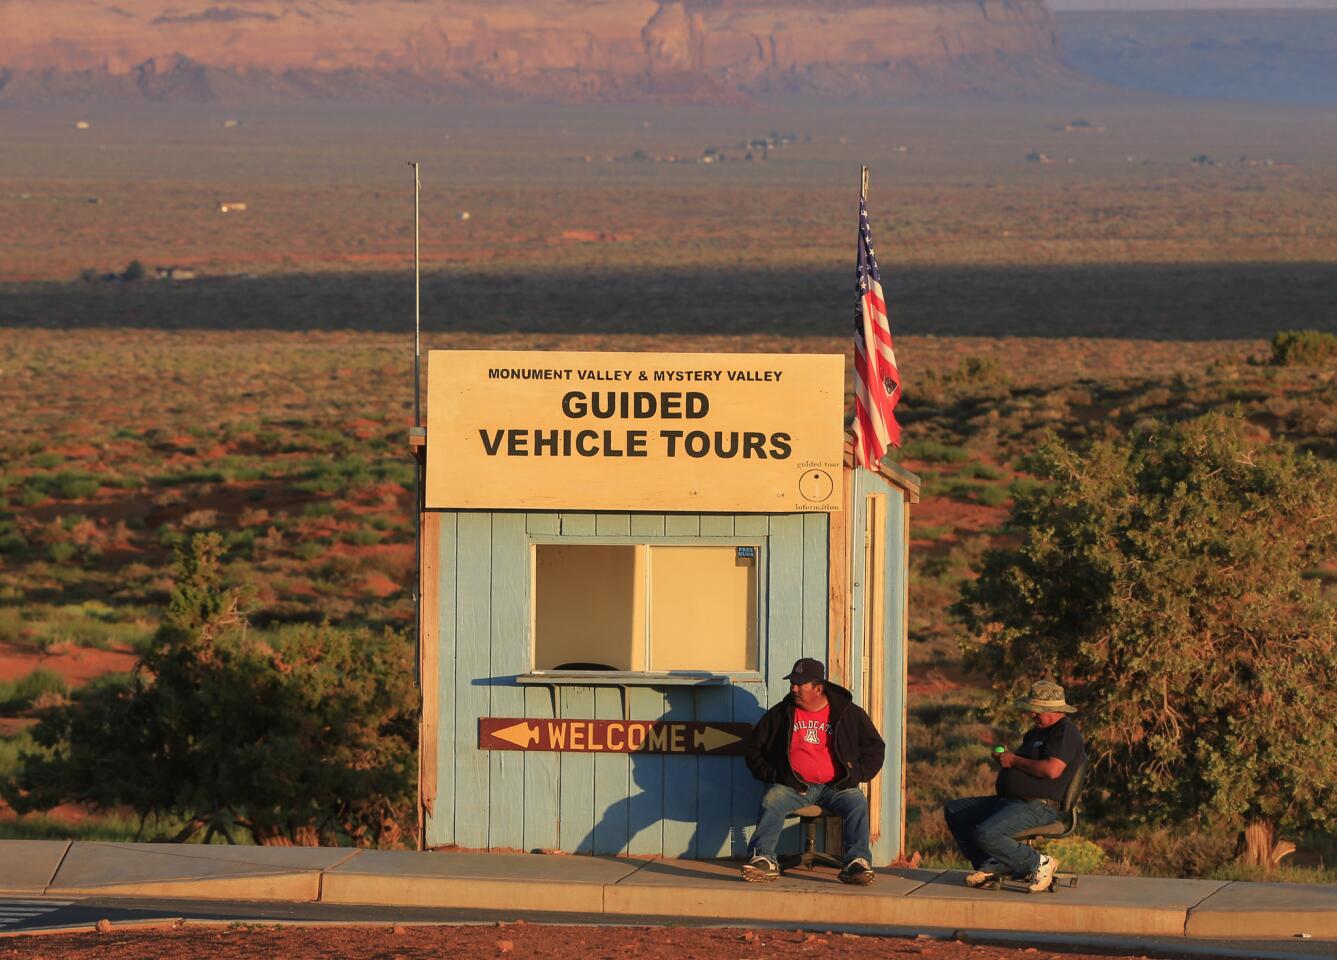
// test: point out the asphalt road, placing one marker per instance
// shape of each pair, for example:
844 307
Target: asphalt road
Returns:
32 914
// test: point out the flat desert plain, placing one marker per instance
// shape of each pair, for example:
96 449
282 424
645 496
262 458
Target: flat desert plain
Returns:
1053 268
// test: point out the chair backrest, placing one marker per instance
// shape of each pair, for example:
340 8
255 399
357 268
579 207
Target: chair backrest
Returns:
1074 791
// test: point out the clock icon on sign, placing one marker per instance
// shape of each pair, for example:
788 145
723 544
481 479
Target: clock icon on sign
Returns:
815 486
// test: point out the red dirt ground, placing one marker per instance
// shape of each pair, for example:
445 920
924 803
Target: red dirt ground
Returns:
959 517
77 665
518 940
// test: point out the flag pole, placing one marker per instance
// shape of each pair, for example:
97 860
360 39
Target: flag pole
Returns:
863 184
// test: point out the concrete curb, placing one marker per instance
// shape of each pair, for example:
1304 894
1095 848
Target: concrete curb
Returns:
1179 910
1242 909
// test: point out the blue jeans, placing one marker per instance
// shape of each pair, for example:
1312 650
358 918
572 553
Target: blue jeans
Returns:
780 800
983 828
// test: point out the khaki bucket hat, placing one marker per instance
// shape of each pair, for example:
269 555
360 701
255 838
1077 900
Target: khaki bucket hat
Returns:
1045 697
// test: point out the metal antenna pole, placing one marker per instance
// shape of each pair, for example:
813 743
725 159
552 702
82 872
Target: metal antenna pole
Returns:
417 298
417 486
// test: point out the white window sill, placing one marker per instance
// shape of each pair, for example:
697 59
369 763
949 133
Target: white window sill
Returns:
616 678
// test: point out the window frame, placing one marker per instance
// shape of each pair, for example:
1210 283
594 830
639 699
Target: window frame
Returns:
625 678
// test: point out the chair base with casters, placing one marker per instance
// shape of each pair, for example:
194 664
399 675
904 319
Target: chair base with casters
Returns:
1050 831
811 816
1060 828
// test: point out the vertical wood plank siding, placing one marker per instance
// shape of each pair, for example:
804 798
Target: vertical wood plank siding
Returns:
473 643
675 806
892 722
508 656
441 820
429 650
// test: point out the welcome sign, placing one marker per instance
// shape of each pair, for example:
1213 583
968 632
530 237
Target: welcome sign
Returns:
634 431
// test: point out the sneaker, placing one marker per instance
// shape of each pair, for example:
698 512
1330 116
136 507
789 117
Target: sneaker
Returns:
858 872
761 870
980 878
1043 877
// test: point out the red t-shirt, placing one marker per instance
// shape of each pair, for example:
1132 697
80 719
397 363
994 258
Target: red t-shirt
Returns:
809 750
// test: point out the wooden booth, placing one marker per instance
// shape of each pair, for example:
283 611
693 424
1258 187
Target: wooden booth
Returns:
622 555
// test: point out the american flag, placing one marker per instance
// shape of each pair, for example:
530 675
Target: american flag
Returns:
877 384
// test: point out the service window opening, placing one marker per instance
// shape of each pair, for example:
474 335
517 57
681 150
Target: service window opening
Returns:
640 608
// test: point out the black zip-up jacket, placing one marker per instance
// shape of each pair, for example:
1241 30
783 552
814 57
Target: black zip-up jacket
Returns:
855 743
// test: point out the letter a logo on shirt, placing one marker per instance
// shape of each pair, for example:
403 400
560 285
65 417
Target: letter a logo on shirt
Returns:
810 736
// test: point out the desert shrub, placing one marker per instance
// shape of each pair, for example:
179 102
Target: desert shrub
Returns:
108 828
169 536
12 540
1077 854
973 377
980 471
1174 851
1304 348
10 748
965 489
73 485
88 624
61 551
239 541
325 440
974 369
991 495
297 736
19 694
360 537
1025 487
201 475
934 452
396 470
1161 577
309 549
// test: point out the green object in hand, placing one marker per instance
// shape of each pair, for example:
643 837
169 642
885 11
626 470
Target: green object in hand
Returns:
999 751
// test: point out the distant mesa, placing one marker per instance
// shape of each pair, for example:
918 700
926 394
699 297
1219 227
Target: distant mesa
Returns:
692 50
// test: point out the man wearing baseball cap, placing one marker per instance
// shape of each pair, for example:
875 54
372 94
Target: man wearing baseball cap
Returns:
814 746
1030 784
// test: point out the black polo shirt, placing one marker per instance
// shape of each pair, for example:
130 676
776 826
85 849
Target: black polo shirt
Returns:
1059 740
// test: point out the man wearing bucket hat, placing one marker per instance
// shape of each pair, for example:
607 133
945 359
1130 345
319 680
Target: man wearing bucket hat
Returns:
814 746
1030 784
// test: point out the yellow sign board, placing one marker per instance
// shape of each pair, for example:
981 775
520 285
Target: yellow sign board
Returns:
538 430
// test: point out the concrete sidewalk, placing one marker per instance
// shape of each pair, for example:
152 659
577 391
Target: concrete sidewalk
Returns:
615 886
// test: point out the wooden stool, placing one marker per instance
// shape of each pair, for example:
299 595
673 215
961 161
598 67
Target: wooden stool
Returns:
811 816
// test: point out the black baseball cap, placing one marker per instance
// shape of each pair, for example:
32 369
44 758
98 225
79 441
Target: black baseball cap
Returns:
807 670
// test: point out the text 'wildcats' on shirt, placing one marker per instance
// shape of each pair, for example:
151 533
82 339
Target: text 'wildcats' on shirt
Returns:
810 729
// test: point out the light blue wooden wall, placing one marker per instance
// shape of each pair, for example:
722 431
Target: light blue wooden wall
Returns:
674 806
892 722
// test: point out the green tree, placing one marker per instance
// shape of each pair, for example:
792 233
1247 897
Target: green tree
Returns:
1165 579
299 736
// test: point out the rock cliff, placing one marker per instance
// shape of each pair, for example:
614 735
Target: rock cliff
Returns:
554 49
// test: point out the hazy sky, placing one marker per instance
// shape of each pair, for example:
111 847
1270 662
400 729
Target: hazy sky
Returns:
1192 4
